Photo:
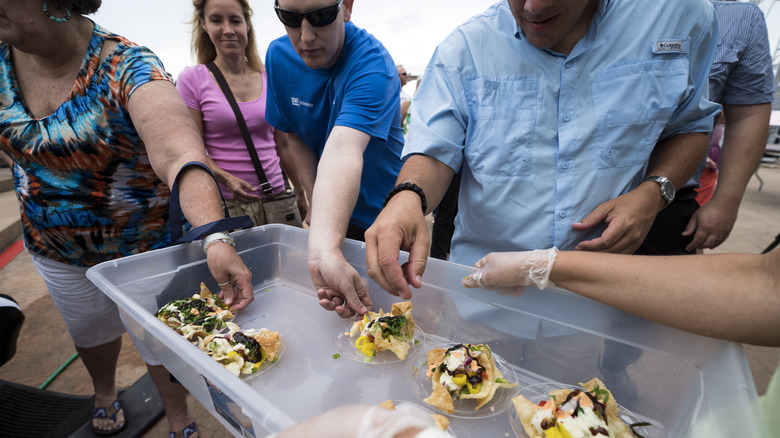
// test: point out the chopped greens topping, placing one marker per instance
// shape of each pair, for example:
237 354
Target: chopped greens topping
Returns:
210 323
501 380
394 325
189 310
336 356
602 394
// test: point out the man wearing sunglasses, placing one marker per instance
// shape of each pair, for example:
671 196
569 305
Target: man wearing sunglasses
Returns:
554 110
333 99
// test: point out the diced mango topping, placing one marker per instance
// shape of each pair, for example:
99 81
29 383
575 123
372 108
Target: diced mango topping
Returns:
365 345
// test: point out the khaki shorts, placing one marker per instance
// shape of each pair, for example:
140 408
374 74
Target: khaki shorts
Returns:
253 210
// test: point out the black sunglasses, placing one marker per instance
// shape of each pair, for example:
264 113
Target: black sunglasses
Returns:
317 18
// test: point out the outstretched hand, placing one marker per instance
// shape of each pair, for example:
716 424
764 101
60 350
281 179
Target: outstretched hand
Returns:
227 267
339 286
510 272
400 226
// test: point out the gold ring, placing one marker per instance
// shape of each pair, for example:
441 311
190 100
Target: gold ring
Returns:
223 284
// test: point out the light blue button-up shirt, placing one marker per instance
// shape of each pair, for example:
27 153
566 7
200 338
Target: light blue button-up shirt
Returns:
543 138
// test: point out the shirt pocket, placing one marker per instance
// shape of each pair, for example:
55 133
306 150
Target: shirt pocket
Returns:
632 105
500 136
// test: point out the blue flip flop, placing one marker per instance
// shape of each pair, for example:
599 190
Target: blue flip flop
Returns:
103 413
187 432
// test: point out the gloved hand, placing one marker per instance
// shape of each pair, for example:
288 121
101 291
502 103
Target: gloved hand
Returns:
510 269
384 423
368 421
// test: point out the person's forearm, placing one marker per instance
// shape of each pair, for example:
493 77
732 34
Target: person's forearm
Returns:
744 142
199 197
287 160
728 296
336 188
430 174
297 160
678 157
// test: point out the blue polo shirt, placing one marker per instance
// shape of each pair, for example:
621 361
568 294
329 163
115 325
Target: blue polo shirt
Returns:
361 92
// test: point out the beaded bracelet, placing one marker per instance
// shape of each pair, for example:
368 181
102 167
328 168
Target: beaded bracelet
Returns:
407 186
217 237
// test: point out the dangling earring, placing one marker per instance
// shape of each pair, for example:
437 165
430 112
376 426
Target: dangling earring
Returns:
53 18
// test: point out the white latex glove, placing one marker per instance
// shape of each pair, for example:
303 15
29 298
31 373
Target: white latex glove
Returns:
510 269
362 421
384 423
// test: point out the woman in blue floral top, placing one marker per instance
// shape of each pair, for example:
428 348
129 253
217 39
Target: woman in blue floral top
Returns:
97 133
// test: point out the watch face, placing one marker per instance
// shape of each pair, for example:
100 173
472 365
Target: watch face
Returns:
667 190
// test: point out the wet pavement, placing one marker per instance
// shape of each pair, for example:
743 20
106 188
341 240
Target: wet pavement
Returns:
44 345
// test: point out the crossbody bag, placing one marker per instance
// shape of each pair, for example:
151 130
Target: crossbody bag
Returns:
279 209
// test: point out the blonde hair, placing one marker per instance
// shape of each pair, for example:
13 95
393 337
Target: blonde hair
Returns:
204 49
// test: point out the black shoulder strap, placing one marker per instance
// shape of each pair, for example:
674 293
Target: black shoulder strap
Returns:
265 186
176 220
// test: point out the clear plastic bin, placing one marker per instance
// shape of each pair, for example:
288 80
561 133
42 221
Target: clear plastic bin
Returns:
683 384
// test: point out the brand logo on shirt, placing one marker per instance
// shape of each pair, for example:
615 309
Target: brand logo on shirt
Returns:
670 46
298 102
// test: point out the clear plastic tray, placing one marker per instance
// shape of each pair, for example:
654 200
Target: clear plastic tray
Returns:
685 385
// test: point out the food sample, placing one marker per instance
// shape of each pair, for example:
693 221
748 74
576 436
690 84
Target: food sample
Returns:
205 320
242 352
441 421
464 371
573 413
196 316
379 331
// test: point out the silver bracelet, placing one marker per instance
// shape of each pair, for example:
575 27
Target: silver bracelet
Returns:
217 237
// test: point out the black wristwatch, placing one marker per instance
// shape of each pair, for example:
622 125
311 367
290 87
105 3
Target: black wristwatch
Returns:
667 188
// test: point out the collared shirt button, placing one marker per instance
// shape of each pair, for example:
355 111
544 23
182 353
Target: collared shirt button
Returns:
566 117
565 165
562 214
648 66
567 64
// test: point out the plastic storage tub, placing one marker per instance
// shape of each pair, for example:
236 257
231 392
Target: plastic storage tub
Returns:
683 384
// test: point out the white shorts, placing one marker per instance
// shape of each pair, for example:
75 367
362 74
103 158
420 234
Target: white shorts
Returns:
91 317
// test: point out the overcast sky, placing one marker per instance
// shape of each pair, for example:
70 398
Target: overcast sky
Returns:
410 29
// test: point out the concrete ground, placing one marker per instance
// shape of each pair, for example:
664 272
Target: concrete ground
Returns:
44 345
